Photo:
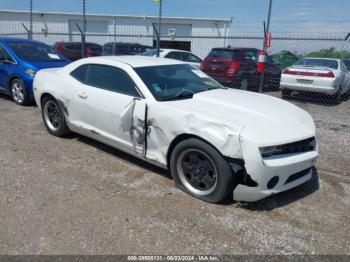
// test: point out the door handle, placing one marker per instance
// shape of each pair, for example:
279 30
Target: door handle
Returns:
83 96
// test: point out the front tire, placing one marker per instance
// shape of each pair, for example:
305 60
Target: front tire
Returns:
53 117
19 93
200 170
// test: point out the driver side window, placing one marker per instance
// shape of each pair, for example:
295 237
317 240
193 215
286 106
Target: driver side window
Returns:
106 77
4 55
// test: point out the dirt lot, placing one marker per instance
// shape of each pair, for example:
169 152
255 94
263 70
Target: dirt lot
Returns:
77 196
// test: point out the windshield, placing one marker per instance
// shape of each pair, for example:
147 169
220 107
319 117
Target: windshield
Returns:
35 51
151 52
175 81
318 62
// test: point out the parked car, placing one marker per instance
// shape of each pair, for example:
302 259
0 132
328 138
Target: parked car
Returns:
285 58
73 50
214 140
237 67
20 60
347 63
180 55
120 48
321 75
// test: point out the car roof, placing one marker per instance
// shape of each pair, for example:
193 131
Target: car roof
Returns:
135 61
18 40
235 48
322 58
76 42
174 50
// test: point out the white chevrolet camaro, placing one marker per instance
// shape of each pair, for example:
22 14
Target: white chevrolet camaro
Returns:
214 140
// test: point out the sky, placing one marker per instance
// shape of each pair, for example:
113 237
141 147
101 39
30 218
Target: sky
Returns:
316 17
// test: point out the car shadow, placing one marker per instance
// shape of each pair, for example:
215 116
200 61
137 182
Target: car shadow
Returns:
285 198
120 154
315 98
8 98
5 97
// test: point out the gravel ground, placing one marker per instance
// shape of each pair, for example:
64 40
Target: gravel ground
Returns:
77 196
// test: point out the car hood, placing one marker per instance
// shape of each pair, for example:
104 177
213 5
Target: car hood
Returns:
262 118
38 65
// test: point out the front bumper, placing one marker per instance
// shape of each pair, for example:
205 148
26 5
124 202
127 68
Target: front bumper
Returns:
292 170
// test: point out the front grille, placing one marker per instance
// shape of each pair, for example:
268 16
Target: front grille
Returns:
302 146
298 175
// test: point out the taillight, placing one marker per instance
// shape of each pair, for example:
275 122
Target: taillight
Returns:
234 67
329 74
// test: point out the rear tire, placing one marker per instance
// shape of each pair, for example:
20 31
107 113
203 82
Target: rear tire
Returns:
286 93
19 92
200 170
53 117
244 84
337 97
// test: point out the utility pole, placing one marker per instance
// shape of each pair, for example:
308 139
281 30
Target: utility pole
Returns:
30 34
84 31
266 31
159 26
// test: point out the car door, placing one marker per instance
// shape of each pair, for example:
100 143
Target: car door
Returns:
6 66
175 55
108 97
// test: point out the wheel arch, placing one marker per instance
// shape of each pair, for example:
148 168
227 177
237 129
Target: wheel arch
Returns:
44 95
182 137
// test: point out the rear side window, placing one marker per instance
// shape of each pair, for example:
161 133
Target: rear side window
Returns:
217 53
94 47
251 54
80 73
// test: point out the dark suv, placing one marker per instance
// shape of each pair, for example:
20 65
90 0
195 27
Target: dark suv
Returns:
237 67
119 48
72 50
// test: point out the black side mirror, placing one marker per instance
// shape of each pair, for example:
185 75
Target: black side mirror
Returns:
5 60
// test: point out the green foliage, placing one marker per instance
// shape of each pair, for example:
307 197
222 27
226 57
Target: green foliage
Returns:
330 53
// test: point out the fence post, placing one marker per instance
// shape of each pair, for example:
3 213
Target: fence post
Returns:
30 31
266 30
159 26
83 39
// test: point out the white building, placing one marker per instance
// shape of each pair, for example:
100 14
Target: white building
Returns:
177 32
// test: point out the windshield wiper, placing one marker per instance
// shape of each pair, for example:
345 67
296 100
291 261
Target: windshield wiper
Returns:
183 94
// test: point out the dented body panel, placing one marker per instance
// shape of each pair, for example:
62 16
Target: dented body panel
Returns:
236 123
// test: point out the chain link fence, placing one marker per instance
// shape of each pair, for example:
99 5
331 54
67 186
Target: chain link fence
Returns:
320 85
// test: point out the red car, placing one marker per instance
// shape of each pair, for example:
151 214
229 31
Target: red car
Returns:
72 50
237 67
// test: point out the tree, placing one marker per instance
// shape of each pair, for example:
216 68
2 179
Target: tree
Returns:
330 53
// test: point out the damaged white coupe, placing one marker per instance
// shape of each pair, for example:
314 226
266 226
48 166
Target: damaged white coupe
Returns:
216 142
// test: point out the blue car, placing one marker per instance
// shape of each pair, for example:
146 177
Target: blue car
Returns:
20 59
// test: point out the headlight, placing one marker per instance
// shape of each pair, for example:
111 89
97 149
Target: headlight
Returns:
30 72
271 150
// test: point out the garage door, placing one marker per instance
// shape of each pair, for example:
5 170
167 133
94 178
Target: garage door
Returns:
178 29
93 27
